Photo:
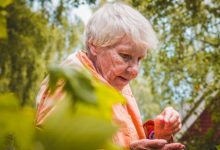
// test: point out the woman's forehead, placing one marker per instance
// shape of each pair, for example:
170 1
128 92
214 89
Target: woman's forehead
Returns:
128 46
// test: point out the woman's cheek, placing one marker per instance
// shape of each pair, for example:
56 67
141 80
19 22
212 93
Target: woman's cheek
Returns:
120 69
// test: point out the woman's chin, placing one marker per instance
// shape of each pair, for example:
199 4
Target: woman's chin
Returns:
119 85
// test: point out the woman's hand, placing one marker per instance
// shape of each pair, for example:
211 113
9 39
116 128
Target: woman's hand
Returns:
156 144
167 123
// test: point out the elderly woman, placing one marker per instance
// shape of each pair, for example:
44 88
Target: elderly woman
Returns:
117 38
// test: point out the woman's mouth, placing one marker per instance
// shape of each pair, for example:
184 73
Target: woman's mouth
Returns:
123 79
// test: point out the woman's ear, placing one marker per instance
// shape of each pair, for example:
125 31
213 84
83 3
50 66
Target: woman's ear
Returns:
92 48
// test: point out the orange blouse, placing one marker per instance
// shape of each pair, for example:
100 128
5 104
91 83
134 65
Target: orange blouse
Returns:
126 116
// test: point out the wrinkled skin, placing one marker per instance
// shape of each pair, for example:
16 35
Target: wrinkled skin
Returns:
119 64
167 123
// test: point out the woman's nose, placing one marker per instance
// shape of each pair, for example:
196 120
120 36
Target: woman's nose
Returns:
133 70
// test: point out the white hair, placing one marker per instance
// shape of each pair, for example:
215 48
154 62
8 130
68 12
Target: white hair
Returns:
112 22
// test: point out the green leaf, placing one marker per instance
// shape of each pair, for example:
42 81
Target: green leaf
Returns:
4 3
8 102
83 82
107 97
66 129
78 83
83 126
15 122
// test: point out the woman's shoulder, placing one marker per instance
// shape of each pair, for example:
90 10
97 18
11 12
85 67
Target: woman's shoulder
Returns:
72 60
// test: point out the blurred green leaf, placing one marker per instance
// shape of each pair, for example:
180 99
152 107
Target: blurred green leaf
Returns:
81 132
77 83
107 97
4 3
15 122
83 126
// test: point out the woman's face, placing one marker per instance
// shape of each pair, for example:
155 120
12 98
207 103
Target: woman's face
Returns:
119 63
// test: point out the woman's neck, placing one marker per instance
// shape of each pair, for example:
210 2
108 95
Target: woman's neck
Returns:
92 58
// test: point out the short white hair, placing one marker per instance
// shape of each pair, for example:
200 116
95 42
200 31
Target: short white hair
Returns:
112 22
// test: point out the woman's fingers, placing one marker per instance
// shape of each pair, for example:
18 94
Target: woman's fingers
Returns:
168 113
159 122
171 117
156 143
174 123
174 146
146 144
177 129
159 128
167 123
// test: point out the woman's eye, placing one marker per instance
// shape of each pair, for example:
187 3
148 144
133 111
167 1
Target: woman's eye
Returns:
126 57
139 59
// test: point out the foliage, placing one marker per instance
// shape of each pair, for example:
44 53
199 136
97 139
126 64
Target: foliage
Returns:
77 122
59 11
32 44
3 13
85 114
187 60
83 119
15 122
200 128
